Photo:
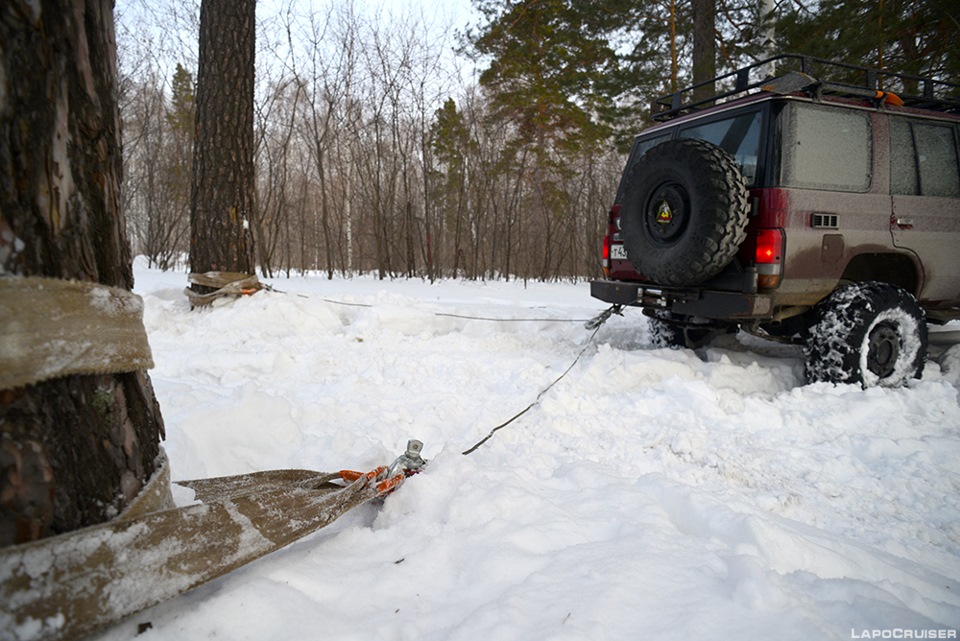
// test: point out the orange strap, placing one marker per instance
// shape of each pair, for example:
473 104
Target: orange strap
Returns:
384 486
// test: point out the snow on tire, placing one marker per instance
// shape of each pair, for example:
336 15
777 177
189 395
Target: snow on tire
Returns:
669 331
870 333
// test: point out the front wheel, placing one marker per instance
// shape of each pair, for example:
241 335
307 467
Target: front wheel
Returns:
870 333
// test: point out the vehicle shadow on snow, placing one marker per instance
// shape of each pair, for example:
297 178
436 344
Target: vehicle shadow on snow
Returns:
783 361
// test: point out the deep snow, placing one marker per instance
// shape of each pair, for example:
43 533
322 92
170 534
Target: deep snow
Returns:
653 494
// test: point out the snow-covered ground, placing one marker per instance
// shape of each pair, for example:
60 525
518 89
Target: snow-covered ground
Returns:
653 494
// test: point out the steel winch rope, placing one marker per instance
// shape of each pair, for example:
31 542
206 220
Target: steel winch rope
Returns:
466 316
539 396
512 320
595 324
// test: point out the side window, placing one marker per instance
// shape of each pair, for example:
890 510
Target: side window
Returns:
643 146
903 158
738 136
824 148
923 159
937 160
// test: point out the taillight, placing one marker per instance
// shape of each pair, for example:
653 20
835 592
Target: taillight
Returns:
606 255
613 215
769 257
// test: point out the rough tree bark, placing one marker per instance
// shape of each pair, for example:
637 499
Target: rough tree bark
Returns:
73 450
704 48
222 194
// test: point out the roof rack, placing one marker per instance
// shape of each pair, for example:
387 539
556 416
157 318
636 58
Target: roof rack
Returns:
852 81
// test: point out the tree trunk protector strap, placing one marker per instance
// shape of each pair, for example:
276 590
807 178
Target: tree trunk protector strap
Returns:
225 283
155 496
51 328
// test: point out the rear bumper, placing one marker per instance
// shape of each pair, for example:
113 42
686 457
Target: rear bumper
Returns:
706 303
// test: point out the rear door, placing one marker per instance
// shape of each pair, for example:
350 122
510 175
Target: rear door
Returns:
838 208
925 187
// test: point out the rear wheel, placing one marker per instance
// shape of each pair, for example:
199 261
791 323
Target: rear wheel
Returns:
675 331
871 333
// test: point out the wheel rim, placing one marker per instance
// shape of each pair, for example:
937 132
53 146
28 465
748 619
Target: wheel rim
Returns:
884 349
667 214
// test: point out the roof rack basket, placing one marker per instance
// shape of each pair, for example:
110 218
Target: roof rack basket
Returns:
847 80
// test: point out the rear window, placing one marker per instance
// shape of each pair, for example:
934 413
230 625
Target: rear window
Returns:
923 159
824 148
739 136
640 147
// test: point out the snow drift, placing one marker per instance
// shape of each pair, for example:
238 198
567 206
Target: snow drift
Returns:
652 494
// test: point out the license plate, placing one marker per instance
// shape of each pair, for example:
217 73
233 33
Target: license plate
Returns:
617 252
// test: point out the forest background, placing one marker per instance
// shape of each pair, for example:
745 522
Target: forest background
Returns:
436 142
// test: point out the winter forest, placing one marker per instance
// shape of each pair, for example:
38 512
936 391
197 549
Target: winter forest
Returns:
480 139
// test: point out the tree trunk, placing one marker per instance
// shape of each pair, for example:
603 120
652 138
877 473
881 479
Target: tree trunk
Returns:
73 450
704 48
222 195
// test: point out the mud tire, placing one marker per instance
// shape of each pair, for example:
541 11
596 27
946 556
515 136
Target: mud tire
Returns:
684 212
874 334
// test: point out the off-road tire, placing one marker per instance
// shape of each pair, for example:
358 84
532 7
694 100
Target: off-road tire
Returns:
684 212
679 332
874 334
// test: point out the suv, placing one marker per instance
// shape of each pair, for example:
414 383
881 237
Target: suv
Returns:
800 210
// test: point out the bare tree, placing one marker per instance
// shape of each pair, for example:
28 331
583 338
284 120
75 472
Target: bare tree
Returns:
348 175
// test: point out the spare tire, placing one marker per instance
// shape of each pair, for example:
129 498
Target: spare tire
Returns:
684 212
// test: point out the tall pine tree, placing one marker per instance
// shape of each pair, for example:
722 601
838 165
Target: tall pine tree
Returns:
74 450
917 38
222 201
552 70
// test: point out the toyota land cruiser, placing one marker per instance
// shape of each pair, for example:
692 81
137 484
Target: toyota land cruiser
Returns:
802 209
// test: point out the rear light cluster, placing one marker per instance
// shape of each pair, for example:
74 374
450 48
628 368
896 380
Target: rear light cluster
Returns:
608 239
769 257
606 255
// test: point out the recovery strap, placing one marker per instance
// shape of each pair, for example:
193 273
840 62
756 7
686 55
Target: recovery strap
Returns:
70 585
223 284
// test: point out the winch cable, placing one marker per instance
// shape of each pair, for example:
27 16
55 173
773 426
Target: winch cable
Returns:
470 317
511 320
595 324
236 284
493 319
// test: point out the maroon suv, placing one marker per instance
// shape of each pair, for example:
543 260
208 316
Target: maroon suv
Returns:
819 212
